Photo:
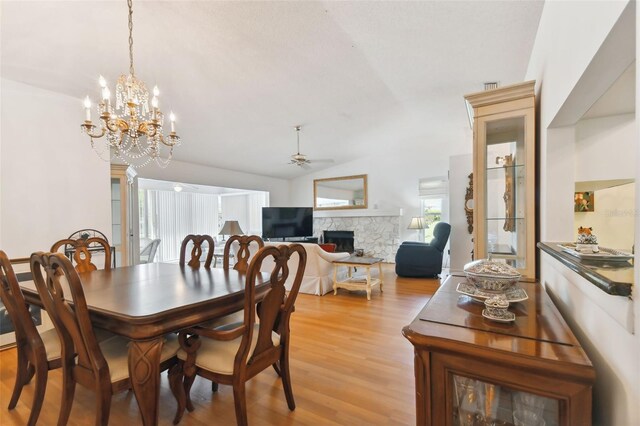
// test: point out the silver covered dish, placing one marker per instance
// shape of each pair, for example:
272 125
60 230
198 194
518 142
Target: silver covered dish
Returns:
492 276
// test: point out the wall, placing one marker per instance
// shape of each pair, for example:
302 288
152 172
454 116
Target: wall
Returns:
460 166
179 171
560 64
51 181
612 219
599 145
393 176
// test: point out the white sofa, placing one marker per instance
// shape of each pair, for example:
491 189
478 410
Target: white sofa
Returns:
318 273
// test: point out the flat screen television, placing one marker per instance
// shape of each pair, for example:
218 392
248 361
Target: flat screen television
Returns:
286 222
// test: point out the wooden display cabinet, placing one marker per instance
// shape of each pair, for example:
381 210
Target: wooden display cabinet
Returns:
473 371
504 176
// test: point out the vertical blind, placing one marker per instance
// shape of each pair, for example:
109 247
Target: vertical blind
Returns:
173 215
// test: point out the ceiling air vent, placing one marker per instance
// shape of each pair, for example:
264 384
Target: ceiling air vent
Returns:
491 85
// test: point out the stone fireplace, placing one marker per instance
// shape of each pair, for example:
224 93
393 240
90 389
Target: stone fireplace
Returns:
377 235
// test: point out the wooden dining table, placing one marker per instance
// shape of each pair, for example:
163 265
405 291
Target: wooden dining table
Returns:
145 302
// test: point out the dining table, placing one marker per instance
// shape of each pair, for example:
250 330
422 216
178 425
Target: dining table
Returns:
144 302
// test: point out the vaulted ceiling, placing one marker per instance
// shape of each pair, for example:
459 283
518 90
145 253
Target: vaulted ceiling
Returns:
358 76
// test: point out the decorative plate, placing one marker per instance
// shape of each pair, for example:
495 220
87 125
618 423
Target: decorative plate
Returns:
505 316
514 294
604 253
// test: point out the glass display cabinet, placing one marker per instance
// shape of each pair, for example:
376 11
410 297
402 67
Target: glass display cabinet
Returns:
470 371
504 175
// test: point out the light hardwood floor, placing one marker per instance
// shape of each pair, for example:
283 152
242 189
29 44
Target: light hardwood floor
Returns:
350 365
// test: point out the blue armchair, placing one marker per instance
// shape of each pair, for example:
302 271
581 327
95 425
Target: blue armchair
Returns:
420 260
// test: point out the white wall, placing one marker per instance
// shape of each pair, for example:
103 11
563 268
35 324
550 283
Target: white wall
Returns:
570 35
179 171
601 144
613 219
51 181
393 176
460 166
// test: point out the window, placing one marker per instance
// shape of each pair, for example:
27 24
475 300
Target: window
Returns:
170 215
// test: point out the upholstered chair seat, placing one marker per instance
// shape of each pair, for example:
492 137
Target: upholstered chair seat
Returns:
217 356
116 353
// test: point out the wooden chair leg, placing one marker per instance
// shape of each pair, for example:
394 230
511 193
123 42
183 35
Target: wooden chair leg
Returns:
68 390
176 377
214 386
188 382
240 402
38 394
21 378
103 408
286 378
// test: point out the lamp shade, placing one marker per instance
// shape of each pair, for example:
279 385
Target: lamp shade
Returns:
231 227
416 223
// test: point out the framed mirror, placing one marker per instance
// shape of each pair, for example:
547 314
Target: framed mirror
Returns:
340 193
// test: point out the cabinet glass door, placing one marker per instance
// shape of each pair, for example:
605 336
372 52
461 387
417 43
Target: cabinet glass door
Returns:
477 402
505 235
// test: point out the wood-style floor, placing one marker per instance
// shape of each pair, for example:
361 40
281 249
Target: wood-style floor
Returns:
350 365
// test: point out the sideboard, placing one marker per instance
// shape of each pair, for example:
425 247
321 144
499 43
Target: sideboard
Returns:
473 371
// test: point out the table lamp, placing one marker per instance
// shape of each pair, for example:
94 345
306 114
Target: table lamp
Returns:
230 227
417 223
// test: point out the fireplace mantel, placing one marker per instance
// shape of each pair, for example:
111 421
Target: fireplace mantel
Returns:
358 213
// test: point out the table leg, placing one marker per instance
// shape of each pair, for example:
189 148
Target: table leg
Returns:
380 275
368 282
335 279
144 370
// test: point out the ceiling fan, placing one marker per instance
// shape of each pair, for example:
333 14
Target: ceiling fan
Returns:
301 160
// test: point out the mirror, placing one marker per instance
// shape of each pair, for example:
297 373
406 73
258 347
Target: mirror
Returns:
339 193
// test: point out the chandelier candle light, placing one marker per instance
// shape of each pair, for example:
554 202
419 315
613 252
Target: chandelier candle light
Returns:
134 134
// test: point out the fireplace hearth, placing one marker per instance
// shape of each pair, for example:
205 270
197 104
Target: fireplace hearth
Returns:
342 239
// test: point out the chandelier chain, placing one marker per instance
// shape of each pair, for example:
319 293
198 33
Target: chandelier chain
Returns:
130 4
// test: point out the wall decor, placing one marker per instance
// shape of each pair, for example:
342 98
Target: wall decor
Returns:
584 201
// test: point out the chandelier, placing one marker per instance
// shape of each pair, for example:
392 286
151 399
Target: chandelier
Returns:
133 133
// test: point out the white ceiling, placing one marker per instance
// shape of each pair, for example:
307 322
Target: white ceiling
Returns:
619 99
358 76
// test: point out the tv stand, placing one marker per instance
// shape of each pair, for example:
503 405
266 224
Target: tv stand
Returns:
312 240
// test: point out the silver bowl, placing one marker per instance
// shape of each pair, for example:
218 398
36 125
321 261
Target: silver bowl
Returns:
491 276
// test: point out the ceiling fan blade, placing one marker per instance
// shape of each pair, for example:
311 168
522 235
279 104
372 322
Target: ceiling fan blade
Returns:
322 160
305 166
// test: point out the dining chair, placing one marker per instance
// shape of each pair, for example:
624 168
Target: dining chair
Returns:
196 251
233 355
82 248
244 254
100 366
148 253
37 352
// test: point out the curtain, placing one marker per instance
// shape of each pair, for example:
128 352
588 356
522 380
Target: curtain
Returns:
171 216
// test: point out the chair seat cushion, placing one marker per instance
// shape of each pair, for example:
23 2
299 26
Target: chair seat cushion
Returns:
116 352
217 356
51 343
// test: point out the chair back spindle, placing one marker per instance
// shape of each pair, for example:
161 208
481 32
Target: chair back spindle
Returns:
196 251
82 252
244 252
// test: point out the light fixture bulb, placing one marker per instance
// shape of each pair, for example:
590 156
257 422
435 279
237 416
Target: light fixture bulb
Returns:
172 116
106 93
102 81
156 91
177 188
154 102
87 102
